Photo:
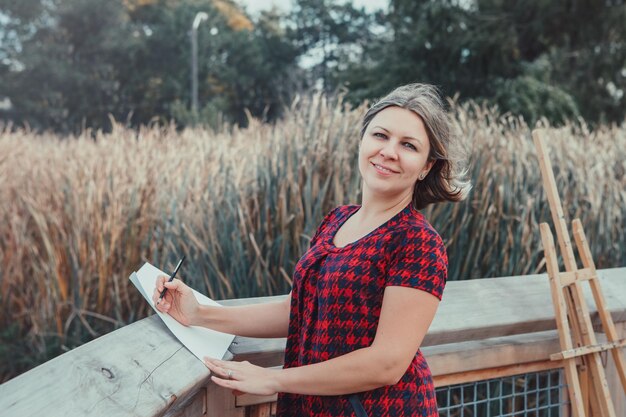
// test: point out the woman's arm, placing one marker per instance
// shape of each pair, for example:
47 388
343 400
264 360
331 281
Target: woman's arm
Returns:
256 320
405 317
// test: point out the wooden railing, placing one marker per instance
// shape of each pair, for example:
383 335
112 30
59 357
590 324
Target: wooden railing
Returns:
484 328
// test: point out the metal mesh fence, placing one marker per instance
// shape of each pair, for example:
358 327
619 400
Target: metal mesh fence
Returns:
537 394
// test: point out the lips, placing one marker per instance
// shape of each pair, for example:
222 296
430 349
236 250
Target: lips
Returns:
383 169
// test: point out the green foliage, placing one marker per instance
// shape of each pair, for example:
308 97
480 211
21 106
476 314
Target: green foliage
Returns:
210 115
534 99
334 31
78 61
491 50
67 80
68 64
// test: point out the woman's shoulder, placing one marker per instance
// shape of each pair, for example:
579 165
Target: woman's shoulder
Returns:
416 229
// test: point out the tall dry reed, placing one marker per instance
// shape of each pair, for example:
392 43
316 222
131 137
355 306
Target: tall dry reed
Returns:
78 215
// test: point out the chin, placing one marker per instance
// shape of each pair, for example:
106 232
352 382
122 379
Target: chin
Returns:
386 192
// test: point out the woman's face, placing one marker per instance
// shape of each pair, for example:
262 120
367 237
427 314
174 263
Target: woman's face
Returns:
393 153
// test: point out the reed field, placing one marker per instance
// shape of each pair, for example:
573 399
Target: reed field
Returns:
78 215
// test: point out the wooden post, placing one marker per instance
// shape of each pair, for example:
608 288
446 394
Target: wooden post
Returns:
221 403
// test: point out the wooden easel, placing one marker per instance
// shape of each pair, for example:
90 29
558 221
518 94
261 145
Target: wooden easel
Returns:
587 385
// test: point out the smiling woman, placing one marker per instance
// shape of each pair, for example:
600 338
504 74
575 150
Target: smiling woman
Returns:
366 291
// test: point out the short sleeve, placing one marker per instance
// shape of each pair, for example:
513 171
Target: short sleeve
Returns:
419 261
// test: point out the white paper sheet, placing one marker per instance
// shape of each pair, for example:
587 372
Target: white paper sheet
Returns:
199 340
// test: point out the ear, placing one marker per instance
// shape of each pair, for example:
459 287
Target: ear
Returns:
429 166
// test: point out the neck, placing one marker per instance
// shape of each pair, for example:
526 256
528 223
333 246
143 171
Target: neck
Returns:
373 206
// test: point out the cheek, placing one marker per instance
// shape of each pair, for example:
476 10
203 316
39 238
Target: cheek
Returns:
362 160
367 147
415 166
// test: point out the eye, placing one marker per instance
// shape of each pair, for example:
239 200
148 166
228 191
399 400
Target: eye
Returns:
409 145
380 135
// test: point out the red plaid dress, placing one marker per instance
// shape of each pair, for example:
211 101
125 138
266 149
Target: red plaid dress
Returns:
335 306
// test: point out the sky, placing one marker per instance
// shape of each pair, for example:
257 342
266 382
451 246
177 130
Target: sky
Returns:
254 6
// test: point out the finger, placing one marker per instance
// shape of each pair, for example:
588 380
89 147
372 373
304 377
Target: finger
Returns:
215 365
221 371
212 367
234 365
175 284
161 279
157 300
226 383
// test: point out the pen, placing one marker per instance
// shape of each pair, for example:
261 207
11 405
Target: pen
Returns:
171 278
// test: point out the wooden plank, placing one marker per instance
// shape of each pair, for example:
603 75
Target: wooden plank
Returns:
558 301
196 407
145 360
500 372
246 400
471 356
585 350
598 296
490 353
135 370
584 377
568 278
221 403
556 209
600 387
578 329
523 306
260 410
575 392
615 385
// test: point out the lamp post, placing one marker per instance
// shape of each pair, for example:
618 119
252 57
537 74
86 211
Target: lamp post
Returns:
200 17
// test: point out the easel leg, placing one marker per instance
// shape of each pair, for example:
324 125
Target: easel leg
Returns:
560 301
583 374
607 321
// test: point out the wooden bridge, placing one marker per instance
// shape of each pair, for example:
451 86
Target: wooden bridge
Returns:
484 329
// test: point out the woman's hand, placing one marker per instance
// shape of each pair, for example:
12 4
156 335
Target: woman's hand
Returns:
179 301
243 377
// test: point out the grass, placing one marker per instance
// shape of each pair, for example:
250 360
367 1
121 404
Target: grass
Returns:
79 214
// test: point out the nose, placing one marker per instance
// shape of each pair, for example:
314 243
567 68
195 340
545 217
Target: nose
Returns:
388 151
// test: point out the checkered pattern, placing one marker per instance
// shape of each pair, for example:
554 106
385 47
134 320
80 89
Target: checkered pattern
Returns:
336 301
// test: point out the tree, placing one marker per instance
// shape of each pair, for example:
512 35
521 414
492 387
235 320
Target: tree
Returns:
74 62
332 33
559 59
60 78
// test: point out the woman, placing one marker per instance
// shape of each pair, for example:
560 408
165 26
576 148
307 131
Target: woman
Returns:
366 291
